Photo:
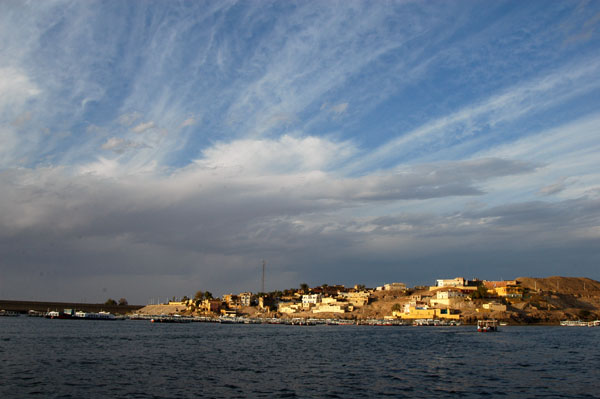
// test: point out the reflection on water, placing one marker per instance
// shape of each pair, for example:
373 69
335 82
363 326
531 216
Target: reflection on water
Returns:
65 358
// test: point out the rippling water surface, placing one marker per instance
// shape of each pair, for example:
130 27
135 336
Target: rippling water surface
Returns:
138 359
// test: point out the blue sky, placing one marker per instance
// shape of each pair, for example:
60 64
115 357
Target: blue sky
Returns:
154 148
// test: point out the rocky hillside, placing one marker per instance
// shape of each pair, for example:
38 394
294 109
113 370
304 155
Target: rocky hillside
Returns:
546 300
562 285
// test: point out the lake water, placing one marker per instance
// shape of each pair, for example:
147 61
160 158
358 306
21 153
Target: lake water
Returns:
139 359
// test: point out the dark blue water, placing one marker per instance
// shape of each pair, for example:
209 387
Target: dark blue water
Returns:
138 359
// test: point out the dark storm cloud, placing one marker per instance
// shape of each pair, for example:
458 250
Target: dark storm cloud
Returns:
203 225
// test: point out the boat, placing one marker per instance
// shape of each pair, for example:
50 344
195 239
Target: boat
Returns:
95 316
488 325
79 315
35 313
170 319
574 323
8 313
580 323
65 314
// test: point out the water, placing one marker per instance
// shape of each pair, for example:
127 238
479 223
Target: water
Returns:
138 359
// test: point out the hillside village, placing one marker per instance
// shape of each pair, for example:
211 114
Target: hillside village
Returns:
522 300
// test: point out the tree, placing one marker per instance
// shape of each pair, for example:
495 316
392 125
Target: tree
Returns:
123 302
304 288
199 295
480 293
584 314
208 295
110 302
397 307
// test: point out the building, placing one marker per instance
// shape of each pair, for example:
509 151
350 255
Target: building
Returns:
447 297
413 311
394 286
493 307
266 303
391 287
505 289
211 305
311 299
246 298
289 307
331 307
357 299
232 301
455 282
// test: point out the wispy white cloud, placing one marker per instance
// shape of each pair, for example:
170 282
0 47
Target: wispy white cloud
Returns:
144 126
119 145
188 122
129 118
15 87
512 104
554 188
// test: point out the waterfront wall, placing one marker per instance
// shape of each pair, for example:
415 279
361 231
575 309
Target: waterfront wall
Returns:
24 306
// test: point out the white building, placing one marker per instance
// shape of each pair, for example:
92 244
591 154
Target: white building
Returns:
455 282
311 299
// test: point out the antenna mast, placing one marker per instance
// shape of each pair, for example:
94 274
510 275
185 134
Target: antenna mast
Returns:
263 275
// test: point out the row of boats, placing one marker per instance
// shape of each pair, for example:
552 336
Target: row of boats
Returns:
163 318
81 315
580 323
66 314
293 321
486 325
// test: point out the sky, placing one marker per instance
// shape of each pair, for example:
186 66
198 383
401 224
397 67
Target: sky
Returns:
151 149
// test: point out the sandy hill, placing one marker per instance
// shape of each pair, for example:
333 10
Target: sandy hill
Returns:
161 309
563 285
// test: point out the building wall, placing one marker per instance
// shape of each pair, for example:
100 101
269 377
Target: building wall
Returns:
329 308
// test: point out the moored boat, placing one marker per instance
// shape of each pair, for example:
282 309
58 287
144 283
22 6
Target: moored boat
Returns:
95 316
8 313
580 323
487 325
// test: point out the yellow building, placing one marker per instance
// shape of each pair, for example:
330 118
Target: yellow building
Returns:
356 298
231 300
289 307
509 292
424 312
